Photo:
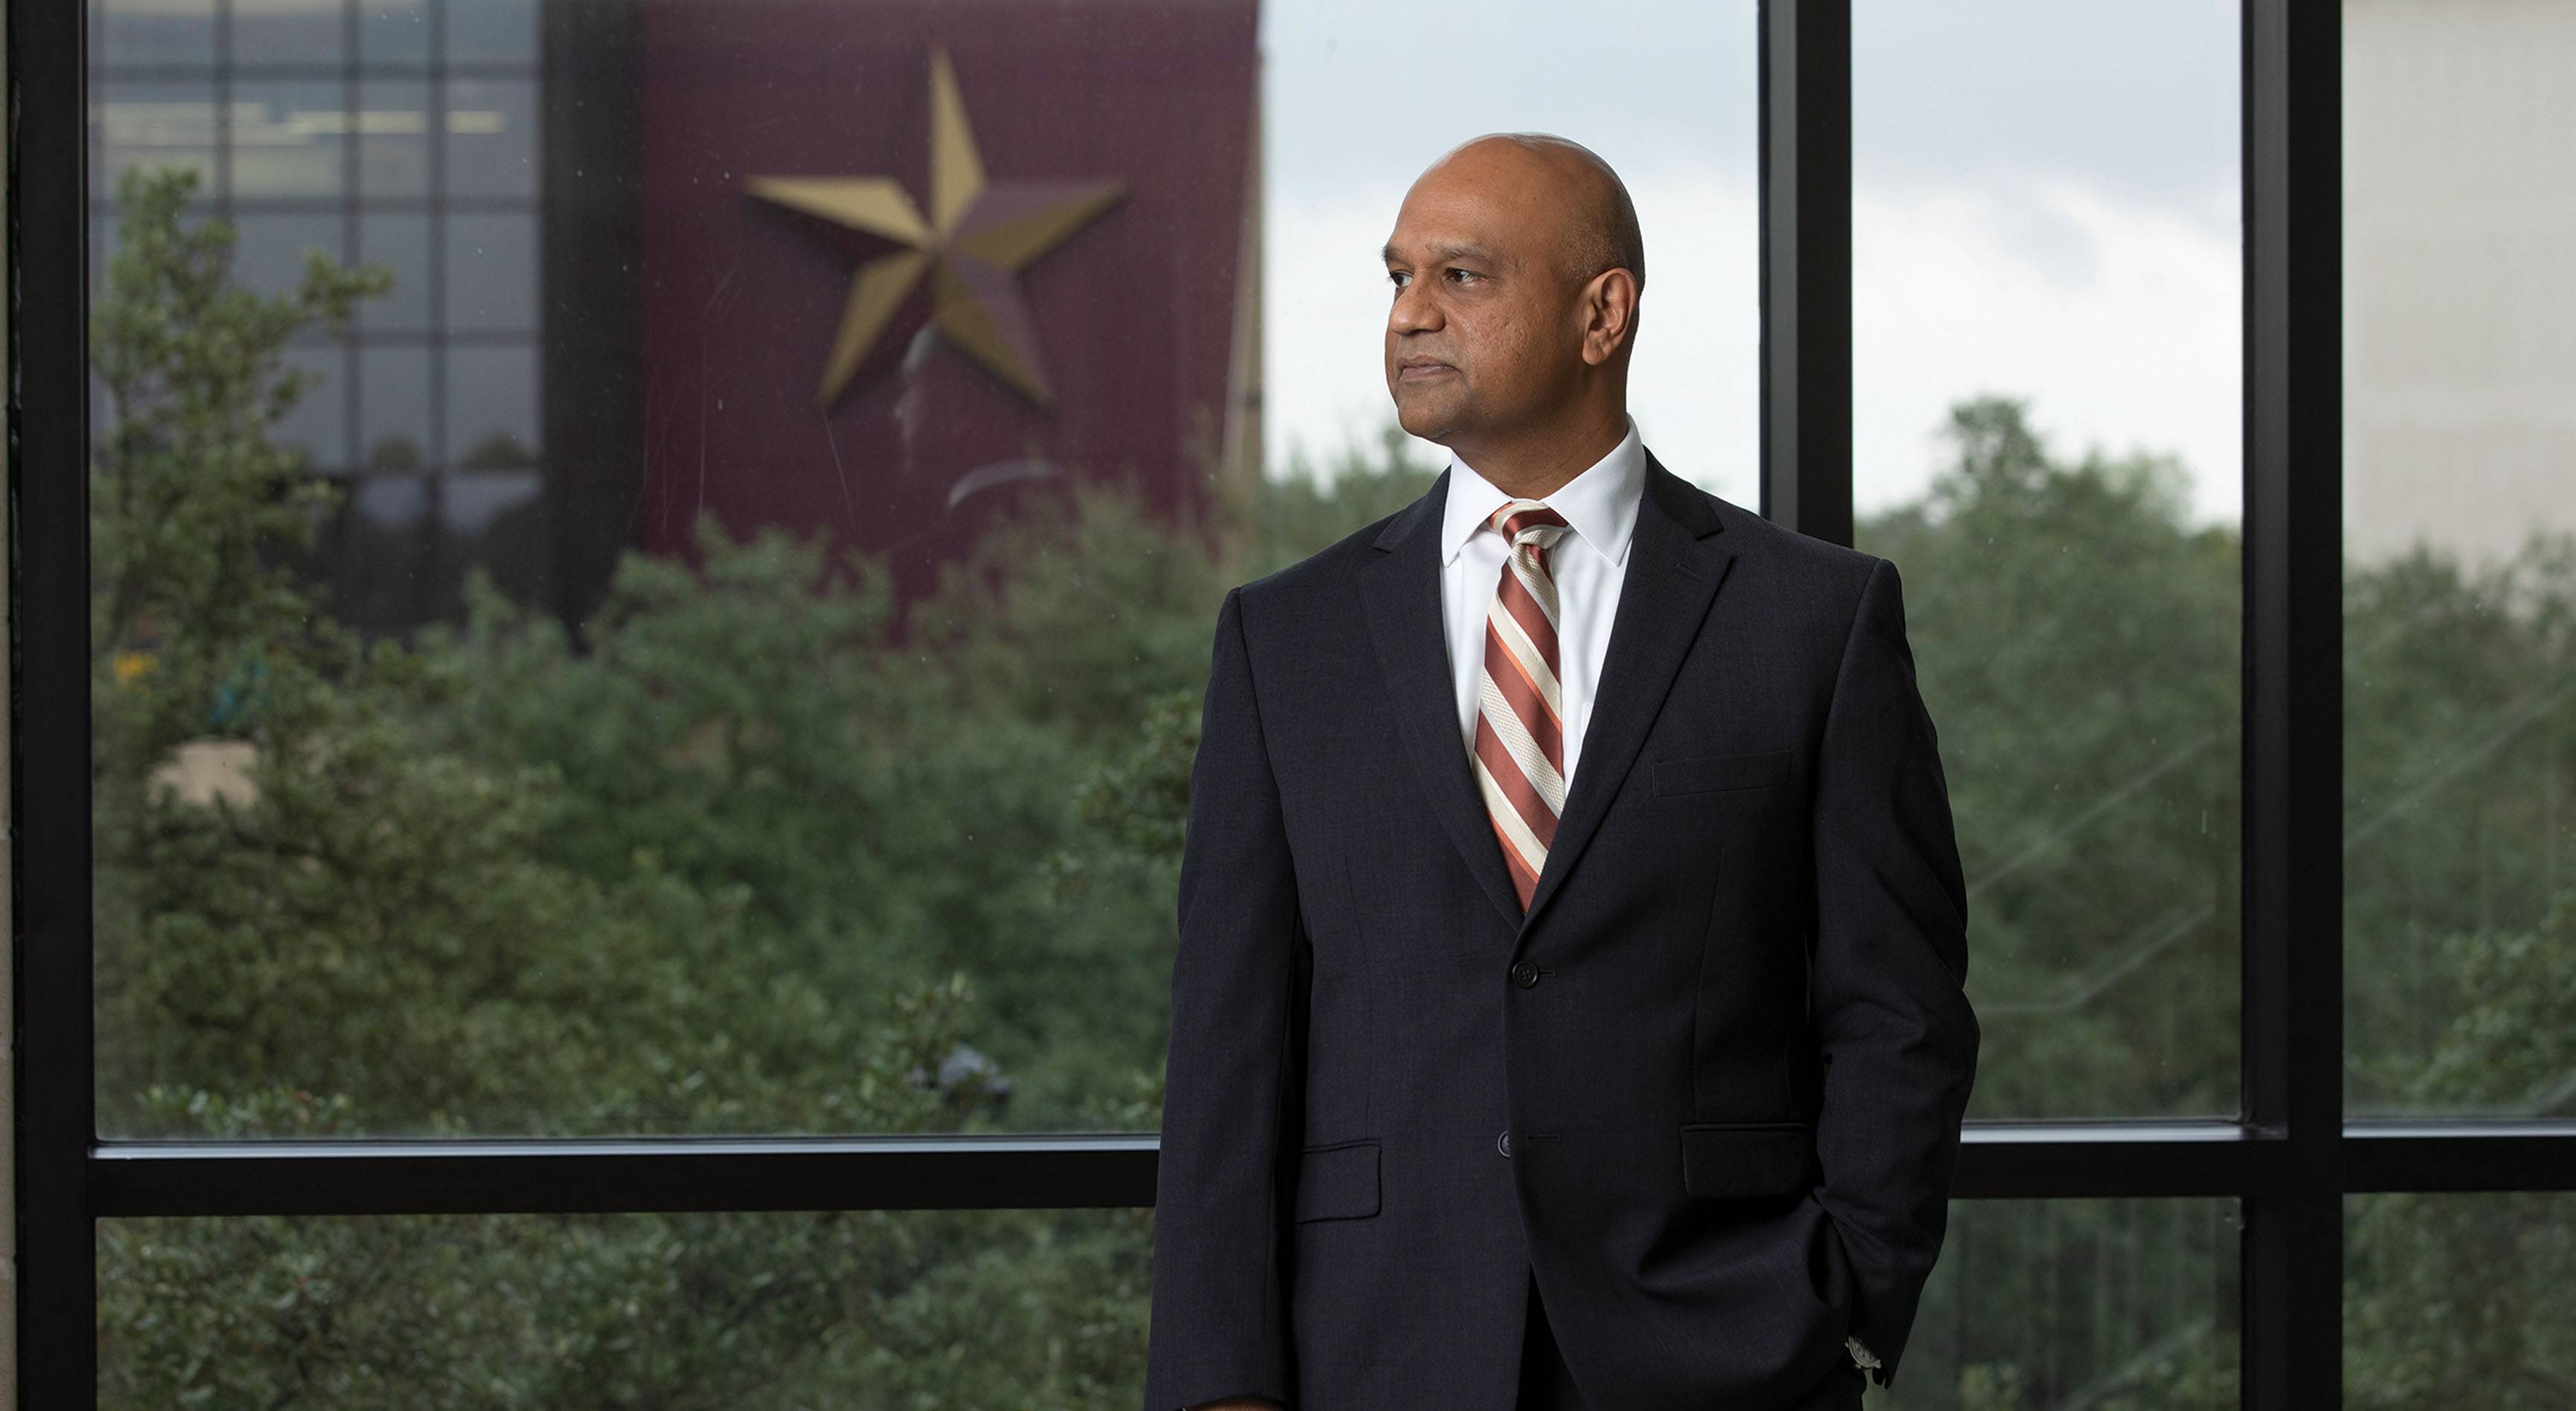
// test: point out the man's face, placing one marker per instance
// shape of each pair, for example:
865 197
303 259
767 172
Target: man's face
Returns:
1484 332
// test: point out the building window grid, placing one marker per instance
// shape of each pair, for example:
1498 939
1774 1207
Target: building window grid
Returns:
354 462
2291 1158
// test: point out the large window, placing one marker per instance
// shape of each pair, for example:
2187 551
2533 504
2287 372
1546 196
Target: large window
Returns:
769 472
2046 307
401 135
2460 560
603 698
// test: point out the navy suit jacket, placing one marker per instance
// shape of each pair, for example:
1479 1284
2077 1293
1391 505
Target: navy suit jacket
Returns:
1708 1089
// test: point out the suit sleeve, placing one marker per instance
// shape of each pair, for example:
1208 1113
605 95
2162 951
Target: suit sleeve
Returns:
1218 1328
1897 1035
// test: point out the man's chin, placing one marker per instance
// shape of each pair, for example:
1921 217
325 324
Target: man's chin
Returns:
1420 417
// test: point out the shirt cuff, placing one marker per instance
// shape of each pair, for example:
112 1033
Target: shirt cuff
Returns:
1859 1354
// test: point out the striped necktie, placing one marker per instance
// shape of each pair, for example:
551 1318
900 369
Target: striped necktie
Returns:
1520 731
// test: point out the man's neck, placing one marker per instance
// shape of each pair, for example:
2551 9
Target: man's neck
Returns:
1535 467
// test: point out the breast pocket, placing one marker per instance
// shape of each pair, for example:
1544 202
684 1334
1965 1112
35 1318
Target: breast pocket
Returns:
1708 773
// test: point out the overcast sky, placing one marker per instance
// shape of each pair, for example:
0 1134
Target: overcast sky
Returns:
2045 205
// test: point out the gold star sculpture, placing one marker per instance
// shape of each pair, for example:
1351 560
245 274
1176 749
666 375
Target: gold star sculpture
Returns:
978 238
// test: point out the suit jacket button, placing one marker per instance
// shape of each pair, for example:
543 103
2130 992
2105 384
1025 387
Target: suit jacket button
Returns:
1503 1143
1524 974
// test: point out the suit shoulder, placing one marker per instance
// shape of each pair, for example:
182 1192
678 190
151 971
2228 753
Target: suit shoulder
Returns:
1821 562
1304 583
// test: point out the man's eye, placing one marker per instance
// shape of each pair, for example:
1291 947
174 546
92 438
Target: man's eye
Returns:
1396 277
1460 276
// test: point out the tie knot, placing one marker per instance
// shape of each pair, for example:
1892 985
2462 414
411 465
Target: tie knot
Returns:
1527 522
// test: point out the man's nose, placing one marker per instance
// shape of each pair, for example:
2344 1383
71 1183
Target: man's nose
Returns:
1414 311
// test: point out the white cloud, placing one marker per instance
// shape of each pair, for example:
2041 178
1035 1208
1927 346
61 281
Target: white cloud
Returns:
2119 321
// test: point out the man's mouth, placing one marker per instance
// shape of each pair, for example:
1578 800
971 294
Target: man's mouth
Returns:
1422 369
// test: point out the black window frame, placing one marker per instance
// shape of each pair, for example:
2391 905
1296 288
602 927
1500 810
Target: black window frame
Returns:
2290 1158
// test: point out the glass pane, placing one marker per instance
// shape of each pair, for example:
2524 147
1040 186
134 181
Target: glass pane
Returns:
289 137
401 244
2113 1304
492 273
991 1309
393 137
1681 138
780 717
394 395
2457 1300
289 31
394 33
318 424
153 125
2459 559
491 137
2127 1304
152 32
375 559
102 248
491 31
491 406
270 256
2046 431
495 522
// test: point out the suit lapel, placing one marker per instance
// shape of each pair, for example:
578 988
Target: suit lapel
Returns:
1674 567
1401 592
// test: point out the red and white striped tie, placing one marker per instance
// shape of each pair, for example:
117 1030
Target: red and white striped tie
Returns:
1520 722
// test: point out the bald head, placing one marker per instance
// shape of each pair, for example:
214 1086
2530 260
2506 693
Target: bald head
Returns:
1597 223
1516 264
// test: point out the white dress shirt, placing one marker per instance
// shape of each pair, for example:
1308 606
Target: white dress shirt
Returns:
1588 565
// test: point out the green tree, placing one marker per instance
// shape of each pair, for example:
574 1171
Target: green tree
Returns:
2076 640
743 857
318 918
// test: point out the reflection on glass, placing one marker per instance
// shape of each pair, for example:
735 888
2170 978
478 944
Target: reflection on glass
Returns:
382 503
393 407
288 31
491 406
288 137
491 31
478 504
400 242
991 1309
2123 1305
2045 316
373 555
153 124
491 126
491 273
393 32
318 424
102 247
2103 1303
2459 560
2458 1300
393 137
152 31
270 256
495 522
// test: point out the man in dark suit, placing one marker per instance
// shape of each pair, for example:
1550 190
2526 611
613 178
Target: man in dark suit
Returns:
1536 1046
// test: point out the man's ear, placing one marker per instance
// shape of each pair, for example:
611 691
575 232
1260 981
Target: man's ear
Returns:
1609 315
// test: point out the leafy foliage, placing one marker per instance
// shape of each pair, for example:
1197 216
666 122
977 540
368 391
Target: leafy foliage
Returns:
745 856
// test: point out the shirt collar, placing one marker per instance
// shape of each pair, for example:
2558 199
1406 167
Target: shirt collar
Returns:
1600 503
